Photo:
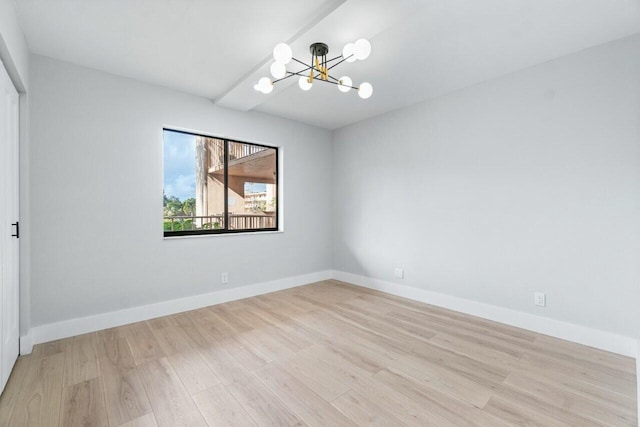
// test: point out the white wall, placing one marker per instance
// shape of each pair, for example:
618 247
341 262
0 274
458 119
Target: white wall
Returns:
96 184
530 182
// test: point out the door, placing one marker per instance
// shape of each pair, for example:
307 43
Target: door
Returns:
9 227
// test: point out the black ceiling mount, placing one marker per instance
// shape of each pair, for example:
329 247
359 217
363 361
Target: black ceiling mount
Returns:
319 49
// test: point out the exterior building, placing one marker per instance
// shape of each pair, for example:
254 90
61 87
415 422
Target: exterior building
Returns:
247 164
255 202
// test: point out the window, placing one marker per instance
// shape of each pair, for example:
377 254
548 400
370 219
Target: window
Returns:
214 186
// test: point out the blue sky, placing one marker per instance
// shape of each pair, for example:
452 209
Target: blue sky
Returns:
179 165
179 154
254 187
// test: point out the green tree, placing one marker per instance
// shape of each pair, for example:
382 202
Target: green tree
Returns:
172 206
189 206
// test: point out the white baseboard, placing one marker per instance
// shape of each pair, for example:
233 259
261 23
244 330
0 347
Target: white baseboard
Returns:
83 325
556 328
26 344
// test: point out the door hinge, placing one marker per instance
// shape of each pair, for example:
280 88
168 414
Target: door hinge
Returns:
17 224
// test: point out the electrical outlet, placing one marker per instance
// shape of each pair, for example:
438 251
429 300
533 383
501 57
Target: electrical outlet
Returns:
540 299
224 278
399 273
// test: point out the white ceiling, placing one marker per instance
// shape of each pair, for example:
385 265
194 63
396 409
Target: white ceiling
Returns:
421 48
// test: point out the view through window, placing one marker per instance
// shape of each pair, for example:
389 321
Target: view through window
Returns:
216 185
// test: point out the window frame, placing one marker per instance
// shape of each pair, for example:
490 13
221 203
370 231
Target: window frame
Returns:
226 230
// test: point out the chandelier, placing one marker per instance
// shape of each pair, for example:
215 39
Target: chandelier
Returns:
318 69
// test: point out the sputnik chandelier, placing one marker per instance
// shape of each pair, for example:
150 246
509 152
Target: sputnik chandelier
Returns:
318 69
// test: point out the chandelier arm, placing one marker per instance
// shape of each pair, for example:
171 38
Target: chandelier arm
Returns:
335 83
302 71
331 77
284 78
291 74
327 62
296 73
309 67
333 59
336 64
300 62
319 71
316 78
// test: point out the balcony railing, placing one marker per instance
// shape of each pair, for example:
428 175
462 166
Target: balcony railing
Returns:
237 151
215 222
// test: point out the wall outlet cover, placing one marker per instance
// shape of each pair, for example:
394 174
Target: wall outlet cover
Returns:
540 299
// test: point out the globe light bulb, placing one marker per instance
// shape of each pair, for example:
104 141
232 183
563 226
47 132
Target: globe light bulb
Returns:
265 85
304 84
347 52
282 53
362 49
365 91
278 70
345 84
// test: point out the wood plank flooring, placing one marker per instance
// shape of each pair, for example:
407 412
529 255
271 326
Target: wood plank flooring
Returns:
325 354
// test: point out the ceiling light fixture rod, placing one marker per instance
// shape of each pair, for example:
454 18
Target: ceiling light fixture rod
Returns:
291 74
343 59
299 73
315 77
339 84
319 64
331 77
300 62
308 67
330 60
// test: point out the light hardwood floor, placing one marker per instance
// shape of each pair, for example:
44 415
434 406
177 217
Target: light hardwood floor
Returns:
326 354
